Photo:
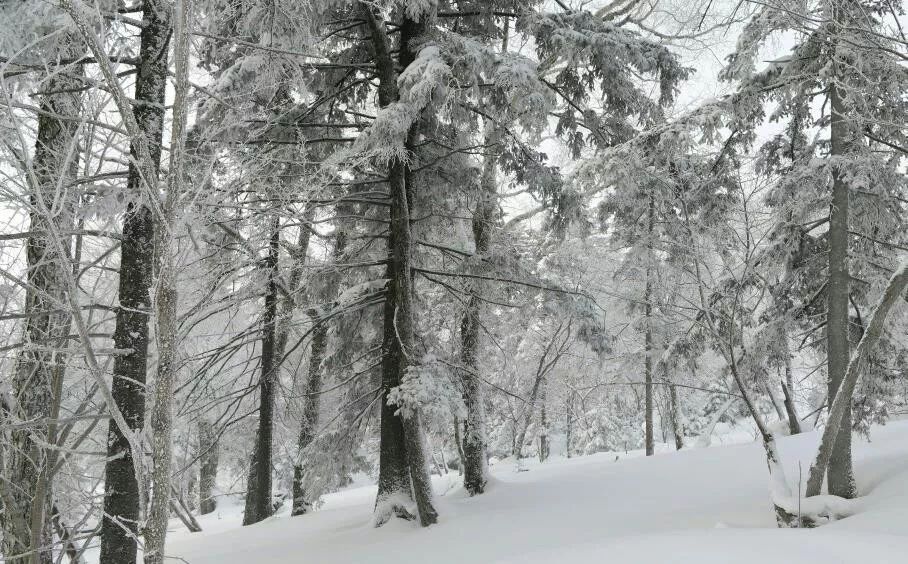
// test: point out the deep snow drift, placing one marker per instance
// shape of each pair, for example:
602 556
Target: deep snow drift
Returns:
706 505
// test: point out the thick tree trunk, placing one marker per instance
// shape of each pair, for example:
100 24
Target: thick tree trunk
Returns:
840 474
403 474
208 467
258 487
394 489
119 527
38 377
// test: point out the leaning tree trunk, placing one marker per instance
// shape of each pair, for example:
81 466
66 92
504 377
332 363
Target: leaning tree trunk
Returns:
403 474
475 465
836 424
840 474
258 486
119 527
312 402
794 423
38 377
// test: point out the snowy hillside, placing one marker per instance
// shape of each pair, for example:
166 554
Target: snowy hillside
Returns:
707 505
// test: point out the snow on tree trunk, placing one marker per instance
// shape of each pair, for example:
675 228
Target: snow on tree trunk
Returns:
122 498
403 473
165 304
794 424
475 441
38 377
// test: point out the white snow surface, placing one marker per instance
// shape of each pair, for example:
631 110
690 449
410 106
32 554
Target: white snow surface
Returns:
703 505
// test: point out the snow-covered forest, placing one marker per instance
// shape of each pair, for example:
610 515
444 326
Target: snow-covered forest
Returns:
432 280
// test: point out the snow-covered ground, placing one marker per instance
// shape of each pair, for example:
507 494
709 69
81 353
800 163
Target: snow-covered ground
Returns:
704 505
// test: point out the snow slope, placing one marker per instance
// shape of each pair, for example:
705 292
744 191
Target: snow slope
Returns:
703 506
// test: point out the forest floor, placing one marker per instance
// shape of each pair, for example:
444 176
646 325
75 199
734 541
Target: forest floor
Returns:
702 505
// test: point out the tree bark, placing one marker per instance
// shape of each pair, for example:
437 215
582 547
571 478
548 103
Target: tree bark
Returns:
312 401
794 423
122 502
543 423
165 304
475 441
841 404
403 474
649 441
309 423
208 467
675 414
258 488
38 377
840 474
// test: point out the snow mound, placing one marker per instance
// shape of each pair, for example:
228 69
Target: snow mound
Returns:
703 506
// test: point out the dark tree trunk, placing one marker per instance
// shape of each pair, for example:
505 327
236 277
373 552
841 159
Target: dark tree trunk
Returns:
393 477
794 424
122 497
648 337
258 487
38 377
403 474
675 412
840 474
208 467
